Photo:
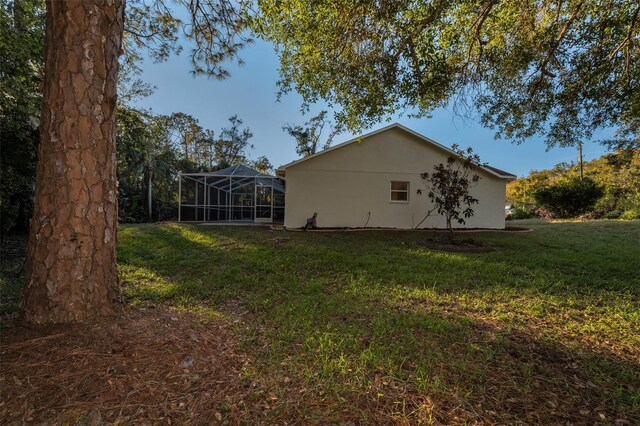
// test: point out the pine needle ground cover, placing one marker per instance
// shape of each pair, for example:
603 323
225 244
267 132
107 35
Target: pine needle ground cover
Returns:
376 327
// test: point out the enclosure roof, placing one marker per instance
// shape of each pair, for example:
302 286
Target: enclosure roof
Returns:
235 170
239 170
245 175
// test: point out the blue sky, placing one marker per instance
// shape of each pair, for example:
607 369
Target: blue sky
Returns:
251 90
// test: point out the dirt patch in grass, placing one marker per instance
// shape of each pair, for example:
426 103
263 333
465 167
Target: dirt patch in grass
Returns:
148 366
467 245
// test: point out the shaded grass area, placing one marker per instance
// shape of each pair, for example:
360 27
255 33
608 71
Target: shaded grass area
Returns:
375 327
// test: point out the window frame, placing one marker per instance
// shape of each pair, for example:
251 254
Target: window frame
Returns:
391 191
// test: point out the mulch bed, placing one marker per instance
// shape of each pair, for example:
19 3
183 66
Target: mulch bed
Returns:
147 366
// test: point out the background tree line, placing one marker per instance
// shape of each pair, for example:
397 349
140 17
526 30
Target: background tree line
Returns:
610 188
152 149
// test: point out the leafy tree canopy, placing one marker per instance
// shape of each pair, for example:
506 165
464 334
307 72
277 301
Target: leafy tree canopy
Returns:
232 146
562 69
263 165
308 136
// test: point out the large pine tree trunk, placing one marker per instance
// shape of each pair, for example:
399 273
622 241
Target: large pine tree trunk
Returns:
71 267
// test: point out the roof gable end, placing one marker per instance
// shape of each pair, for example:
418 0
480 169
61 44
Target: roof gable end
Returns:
491 170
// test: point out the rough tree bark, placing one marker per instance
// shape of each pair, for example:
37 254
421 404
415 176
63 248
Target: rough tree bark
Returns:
71 266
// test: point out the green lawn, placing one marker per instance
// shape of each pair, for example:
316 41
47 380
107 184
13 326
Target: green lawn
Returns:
374 327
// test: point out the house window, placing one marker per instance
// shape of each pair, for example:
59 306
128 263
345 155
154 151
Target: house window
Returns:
399 192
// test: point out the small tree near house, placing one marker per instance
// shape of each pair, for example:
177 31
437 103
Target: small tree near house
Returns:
448 186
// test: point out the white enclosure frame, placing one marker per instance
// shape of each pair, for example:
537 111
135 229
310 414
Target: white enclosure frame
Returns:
258 207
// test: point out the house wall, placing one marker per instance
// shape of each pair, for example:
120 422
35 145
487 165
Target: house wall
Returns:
350 186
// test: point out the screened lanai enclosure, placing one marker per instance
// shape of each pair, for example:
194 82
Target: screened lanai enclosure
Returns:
235 194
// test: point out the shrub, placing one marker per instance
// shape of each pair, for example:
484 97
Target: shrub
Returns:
630 215
521 214
448 186
544 214
613 215
570 198
592 215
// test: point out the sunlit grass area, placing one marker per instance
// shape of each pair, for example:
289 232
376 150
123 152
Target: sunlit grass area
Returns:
376 327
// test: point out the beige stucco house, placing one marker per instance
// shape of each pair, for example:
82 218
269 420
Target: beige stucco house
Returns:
372 181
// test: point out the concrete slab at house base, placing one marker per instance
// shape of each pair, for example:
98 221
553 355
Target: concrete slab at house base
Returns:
422 230
227 223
